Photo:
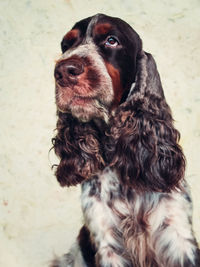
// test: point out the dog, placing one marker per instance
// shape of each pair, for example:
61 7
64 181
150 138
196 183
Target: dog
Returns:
116 137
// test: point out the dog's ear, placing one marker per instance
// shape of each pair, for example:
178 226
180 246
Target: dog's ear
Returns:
78 147
143 144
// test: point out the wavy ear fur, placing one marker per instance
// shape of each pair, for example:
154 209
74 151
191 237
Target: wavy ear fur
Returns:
143 143
79 149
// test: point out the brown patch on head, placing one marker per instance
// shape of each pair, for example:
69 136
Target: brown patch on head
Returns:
73 34
101 29
116 81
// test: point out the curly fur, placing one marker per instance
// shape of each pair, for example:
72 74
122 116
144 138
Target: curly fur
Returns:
144 143
79 146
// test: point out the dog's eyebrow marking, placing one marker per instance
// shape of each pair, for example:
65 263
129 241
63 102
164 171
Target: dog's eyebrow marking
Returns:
102 28
73 34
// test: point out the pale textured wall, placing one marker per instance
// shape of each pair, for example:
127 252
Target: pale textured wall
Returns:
37 217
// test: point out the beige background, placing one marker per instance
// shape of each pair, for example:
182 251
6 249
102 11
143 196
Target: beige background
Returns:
38 218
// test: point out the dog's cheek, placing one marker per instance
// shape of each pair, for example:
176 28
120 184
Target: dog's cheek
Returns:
116 82
93 78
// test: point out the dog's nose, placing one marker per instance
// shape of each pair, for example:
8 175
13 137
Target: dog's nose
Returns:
68 71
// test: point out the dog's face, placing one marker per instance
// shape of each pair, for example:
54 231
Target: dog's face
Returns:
97 67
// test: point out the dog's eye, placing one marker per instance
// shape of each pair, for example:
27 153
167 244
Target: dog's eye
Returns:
111 42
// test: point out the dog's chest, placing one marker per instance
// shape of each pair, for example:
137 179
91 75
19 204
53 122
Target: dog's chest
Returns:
103 206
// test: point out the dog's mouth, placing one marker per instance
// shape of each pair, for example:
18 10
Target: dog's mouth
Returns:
84 108
75 95
82 100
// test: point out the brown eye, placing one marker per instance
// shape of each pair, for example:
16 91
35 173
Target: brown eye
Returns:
111 42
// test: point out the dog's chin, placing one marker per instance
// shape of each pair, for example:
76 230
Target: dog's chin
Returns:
86 110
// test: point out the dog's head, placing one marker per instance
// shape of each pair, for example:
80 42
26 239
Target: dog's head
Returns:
97 67
112 109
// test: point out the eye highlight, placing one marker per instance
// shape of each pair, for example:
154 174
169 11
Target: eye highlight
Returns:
111 41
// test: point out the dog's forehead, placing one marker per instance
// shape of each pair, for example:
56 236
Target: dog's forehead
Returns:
98 24
96 28
94 21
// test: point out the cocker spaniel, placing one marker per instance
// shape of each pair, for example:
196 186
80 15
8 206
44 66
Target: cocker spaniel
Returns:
115 137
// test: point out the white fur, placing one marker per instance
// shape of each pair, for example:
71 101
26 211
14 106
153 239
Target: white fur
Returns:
172 209
100 219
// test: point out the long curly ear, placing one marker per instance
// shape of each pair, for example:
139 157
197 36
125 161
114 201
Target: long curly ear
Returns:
143 143
78 147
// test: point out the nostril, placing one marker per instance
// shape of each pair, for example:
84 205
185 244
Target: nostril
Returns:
74 69
60 76
57 74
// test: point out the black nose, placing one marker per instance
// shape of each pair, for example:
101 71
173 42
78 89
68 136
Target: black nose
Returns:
67 71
